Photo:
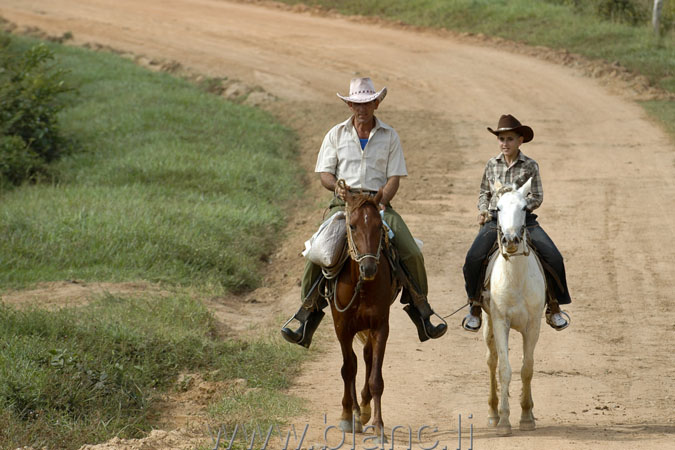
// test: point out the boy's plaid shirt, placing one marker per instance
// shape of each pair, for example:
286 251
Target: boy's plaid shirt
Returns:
497 169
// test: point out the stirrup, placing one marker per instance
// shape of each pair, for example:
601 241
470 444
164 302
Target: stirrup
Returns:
303 335
424 334
568 321
467 327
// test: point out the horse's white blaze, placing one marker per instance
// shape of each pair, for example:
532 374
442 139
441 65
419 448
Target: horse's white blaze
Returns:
517 299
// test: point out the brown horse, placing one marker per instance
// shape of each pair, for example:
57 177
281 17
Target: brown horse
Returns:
364 291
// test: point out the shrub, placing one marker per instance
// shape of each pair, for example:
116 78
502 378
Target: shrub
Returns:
626 11
30 84
17 161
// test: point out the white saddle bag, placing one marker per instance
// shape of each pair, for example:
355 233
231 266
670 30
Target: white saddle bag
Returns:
325 247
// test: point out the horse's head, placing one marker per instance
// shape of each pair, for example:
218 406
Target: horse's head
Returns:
364 232
511 211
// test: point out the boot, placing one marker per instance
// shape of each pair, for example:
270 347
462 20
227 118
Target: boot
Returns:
473 321
309 322
420 315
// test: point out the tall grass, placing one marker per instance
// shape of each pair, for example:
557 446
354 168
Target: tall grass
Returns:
83 375
164 183
168 183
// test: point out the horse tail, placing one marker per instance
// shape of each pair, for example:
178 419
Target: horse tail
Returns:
362 336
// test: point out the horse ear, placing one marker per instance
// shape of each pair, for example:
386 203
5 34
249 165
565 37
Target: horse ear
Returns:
378 196
526 188
498 185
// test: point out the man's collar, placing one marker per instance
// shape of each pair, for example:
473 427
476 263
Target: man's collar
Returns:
378 123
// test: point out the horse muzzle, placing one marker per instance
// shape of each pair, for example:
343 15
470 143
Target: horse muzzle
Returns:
511 242
368 269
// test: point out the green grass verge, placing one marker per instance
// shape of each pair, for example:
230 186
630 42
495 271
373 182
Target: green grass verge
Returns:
77 376
560 24
164 183
167 183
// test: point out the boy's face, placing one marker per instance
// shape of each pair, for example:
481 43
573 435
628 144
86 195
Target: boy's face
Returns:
509 143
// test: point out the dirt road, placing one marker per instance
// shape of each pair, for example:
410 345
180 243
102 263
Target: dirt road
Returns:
608 173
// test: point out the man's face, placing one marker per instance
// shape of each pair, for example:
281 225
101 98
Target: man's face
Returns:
363 112
509 143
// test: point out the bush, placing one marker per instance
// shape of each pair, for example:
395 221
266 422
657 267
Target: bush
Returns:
29 87
625 11
17 161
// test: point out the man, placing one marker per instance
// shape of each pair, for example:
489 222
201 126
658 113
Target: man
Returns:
511 166
367 154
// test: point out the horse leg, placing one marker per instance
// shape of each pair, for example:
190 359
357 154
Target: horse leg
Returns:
501 335
366 396
526 403
349 366
375 380
491 356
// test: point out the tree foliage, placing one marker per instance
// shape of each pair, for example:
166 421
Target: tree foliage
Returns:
30 84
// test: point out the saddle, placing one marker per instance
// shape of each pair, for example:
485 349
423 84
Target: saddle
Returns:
324 288
488 265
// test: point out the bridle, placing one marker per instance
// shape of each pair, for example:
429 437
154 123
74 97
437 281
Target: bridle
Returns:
522 233
353 251
358 257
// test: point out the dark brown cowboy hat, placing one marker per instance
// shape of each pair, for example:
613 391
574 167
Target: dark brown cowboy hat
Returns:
509 123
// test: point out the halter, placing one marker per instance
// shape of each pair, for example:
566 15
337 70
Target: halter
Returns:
353 252
500 234
523 233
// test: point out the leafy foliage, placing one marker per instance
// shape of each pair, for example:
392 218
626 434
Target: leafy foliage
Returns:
30 83
627 11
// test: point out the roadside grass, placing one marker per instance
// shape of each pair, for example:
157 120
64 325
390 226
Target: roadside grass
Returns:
560 24
84 375
166 183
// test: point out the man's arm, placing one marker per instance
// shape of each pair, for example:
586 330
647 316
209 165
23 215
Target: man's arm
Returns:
389 190
329 181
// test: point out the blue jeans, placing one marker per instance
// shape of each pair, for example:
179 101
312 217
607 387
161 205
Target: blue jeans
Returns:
546 249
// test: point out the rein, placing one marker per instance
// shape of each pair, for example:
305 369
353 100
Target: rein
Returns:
358 257
353 251
500 234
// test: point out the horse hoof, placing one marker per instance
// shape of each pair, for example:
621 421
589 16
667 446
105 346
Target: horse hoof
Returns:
492 422
504 431
346 426
527 425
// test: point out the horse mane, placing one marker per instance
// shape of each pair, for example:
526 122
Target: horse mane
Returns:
359 200
504 189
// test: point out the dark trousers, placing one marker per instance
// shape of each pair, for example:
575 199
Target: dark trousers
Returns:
546 249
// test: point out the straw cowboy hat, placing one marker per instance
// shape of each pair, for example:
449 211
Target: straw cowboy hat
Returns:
509 123
362 90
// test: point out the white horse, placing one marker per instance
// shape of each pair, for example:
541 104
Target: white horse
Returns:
517 290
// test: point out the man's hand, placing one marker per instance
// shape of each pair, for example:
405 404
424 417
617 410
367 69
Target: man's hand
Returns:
341 191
